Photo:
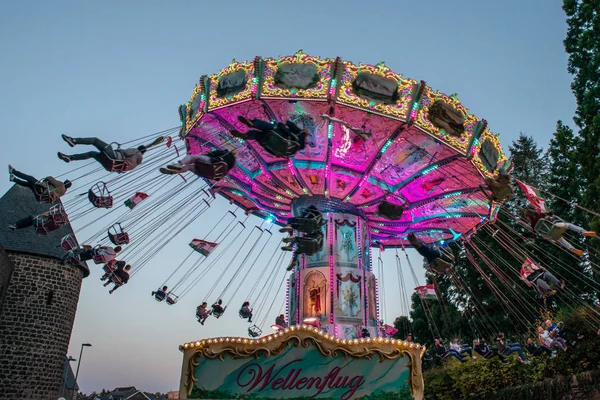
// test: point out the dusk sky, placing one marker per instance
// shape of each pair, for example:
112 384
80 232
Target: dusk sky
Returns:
119 70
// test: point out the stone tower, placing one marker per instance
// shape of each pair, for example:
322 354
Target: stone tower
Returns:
38 301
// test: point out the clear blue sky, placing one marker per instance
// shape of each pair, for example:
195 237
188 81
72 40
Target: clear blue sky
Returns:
119 70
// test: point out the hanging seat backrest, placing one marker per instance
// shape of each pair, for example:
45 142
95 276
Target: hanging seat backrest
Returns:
101 258
254 331
214 171
68 243
546 227
310 225
112 164
390 210
172 299
119 238
42 191
280 146
159 295
244 313
309 245
99 196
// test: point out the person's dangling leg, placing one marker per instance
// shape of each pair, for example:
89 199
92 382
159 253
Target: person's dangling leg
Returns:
80 157
23 183
468 350
543 287
456 355
86 255
30 180
550 279
263 126
101 145
570 226
24 223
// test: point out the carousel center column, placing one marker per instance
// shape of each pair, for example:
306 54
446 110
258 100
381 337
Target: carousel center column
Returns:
335 289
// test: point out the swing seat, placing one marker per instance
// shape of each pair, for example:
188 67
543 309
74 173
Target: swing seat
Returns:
440 266
546 227
217 314
172 299
99 196
111 164
200 316
115 279
117 235
309 246
389 210
213 171
245 314
309 225
159 295
254 331
68 243
100 258
42 191
44 224
280 146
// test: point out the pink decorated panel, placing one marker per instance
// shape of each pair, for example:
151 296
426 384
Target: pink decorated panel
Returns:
366 192
314 179
287 177
410 153
468 202
459 174
342 181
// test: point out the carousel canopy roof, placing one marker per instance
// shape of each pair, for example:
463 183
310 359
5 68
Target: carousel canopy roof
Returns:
424 149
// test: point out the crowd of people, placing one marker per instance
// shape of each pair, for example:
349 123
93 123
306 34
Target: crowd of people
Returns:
550 338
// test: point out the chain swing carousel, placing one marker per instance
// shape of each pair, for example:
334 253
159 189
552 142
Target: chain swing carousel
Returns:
384 156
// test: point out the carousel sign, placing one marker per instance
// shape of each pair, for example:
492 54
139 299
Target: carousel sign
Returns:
301 362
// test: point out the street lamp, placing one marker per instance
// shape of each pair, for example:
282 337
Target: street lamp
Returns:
69 359
80 354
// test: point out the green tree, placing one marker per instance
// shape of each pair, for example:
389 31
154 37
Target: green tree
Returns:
583 44
529 165
564 177
403 324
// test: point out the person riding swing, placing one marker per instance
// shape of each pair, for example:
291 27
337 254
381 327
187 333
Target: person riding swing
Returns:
213 165
46 190
113 160
440 260
279 139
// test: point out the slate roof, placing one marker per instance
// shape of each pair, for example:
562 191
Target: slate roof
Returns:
18 202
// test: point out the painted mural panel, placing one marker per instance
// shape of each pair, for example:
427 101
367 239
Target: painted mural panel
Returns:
345 239
348 294
315 293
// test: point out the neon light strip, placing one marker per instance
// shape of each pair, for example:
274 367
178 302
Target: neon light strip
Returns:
331 275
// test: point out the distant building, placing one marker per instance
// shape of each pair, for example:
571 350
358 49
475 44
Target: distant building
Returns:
173 394
38 301
124 393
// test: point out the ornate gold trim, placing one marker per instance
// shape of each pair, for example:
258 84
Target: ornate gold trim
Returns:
303 335
485 135
470 121
217 102
324 69
400 110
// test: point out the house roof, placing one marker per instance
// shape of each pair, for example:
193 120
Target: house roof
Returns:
18 202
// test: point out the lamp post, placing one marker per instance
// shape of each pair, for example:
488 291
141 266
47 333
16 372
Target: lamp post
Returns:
62 391
79 363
